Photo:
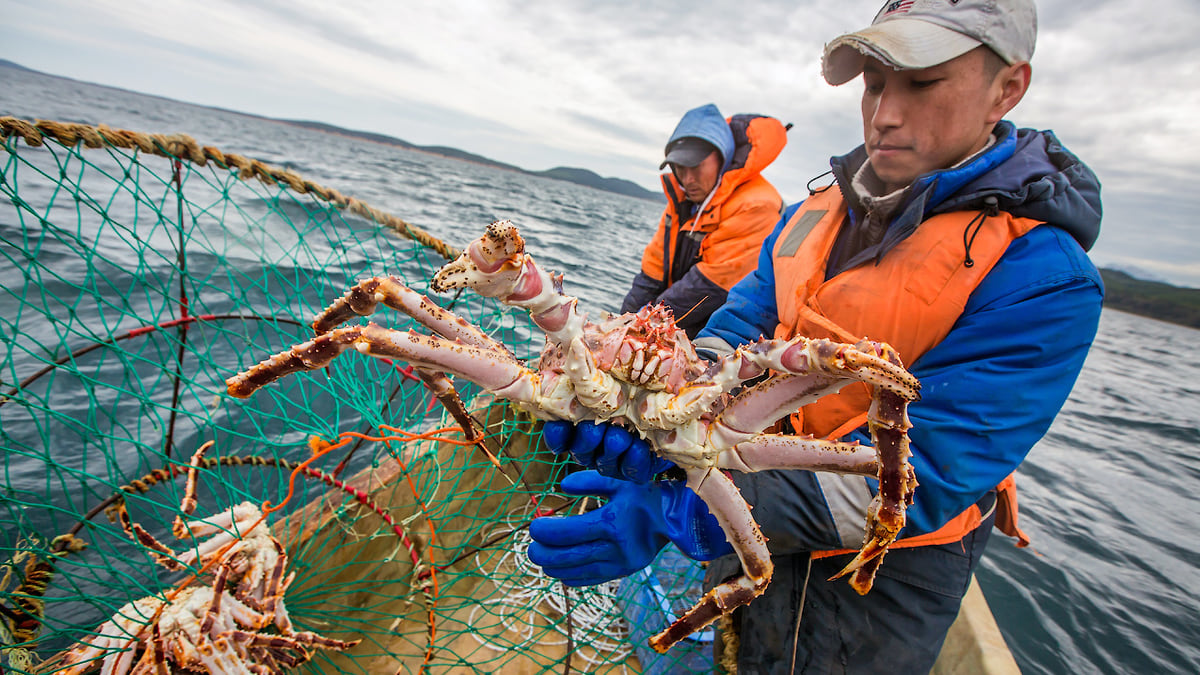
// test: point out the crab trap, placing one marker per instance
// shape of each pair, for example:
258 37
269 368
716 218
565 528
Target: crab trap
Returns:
336 522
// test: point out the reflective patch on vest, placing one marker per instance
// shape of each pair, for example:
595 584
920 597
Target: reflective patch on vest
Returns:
797 234
848 498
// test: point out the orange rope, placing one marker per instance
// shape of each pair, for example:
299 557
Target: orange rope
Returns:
321 447
409 437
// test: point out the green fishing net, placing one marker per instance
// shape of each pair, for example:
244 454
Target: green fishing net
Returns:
138 273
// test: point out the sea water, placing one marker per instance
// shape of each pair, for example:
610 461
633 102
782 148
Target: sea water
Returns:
1112 581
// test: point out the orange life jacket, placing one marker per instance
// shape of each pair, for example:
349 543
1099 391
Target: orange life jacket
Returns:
910 299
740 215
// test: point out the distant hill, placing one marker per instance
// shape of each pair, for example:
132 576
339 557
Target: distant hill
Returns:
452 153
10 64
592 179
578 176
569 174
1154 299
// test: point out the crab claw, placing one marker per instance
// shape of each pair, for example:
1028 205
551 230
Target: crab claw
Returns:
491 265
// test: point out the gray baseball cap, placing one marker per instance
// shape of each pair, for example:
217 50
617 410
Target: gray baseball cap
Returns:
913 34
687 151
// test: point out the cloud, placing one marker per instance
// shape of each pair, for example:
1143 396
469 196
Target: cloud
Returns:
602 84
1124 83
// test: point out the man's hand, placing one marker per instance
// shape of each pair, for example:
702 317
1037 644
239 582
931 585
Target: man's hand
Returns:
625 534
607 448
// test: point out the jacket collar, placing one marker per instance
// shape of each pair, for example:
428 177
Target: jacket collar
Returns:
930 190
918 202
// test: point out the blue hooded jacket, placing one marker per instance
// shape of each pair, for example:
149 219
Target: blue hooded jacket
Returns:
992 387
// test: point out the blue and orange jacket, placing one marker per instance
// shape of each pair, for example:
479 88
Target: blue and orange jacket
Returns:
997 369
693 259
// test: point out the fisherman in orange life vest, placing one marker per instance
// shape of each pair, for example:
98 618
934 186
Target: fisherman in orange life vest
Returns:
950 234
719 211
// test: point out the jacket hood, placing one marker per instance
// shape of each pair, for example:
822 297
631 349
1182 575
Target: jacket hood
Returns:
1027 173
754 142
708 124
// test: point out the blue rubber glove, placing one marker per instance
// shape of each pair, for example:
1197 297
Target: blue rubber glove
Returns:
607 448
625 534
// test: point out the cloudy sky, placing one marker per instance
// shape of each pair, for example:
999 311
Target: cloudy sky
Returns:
601 84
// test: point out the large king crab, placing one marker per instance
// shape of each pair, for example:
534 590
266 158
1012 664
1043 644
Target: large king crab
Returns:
639 370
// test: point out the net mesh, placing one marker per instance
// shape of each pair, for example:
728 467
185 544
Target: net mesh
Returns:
141 271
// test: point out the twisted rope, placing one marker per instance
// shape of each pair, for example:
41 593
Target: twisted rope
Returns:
182 146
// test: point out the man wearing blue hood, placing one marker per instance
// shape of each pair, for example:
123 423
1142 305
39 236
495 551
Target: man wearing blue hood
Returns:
719 210
955 237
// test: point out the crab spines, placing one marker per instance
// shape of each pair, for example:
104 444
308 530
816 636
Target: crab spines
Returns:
496 266
730 509
891 373
311 355
489 368
491 265
360 300
879 536
364 298
188 504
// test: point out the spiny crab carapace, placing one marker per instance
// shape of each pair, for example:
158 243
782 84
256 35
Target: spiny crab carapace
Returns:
641 371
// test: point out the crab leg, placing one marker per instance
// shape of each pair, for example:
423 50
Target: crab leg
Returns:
114 639
803 356
821 367
759 406
120 661
220 657
733 513
163 554
154 660
82 657
364 298
496 266
292 641
443 390
366 295
482 366
497 373
235 523
885 515
596 389
777 451
830 365
187 505
214 607
243 517
276 587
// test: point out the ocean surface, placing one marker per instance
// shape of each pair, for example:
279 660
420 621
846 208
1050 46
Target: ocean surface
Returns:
1111 583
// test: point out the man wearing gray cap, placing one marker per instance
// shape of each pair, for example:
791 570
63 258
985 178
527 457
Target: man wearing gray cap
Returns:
719 210
955 237
960 240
